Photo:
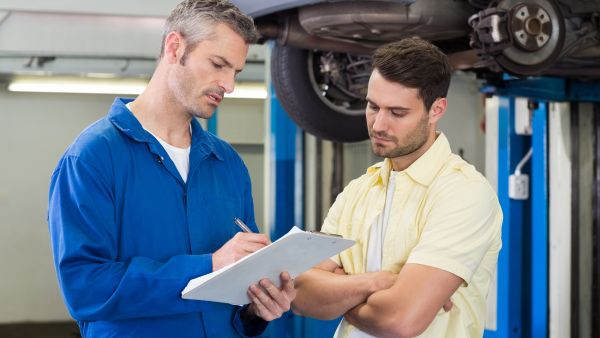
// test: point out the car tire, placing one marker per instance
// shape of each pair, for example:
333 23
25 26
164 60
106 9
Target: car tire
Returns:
295 89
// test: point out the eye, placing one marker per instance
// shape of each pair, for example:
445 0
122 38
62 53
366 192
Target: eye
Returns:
372 107
397 113
217 66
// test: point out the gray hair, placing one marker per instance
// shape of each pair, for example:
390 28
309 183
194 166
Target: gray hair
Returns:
195 20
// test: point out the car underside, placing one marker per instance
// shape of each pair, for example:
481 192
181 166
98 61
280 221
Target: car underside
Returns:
321 64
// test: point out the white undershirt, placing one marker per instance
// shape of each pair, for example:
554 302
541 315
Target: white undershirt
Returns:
378 228
179 156
375 244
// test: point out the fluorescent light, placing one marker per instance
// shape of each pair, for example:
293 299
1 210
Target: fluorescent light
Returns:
249 91
77 85
88 85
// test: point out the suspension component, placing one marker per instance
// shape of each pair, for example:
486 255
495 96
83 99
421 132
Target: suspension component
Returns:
523 37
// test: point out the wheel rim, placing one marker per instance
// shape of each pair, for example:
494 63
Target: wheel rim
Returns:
340 80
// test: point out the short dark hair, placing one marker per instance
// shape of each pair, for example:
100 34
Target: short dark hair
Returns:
415 63
195 21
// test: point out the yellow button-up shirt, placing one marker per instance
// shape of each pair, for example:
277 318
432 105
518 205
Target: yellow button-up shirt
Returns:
444 214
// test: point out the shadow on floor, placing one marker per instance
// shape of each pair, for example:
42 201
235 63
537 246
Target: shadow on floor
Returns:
40 330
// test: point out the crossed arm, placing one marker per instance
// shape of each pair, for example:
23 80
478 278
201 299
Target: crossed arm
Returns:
326 292
379 303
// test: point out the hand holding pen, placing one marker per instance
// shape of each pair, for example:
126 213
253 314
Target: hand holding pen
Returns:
269 301
242 225
240 245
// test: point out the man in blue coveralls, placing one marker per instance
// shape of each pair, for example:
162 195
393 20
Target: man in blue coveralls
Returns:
144 199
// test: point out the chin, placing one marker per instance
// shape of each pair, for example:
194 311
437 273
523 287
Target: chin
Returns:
202 113
378 151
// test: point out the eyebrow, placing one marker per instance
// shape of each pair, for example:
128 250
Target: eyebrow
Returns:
401 108
227 63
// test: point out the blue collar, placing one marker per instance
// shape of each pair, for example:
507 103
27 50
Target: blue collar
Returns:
124 120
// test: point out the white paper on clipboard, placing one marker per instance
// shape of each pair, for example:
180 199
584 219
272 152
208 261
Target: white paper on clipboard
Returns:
295 252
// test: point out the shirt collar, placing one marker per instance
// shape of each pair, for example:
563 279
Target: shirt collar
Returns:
424 169
124 120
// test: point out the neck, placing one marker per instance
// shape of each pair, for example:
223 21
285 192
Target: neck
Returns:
402 162
160 115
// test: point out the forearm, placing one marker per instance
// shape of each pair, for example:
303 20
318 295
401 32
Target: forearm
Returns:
327 295
408 307
141 288
380 316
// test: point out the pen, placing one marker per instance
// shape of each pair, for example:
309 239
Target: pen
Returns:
241 224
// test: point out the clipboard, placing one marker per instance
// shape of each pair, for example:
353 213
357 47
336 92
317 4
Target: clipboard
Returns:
295 252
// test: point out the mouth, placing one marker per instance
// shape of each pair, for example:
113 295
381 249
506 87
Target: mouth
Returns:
214 99
379 139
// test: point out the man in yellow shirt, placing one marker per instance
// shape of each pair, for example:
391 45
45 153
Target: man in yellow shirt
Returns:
426 223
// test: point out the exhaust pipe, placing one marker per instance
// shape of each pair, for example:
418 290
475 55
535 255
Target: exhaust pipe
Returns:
292 34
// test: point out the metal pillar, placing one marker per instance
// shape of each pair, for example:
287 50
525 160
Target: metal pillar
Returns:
522 308
595 329
524 286
575 220
511 148
286 172
539 223
287 208
559 220
286 192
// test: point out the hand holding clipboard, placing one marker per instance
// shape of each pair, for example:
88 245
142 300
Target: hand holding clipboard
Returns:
295 252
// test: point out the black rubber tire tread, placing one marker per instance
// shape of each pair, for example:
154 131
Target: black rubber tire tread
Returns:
293 88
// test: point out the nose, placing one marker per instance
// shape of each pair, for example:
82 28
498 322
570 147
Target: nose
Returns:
379 121
227 83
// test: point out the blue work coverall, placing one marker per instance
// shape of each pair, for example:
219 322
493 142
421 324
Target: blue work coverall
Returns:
128 234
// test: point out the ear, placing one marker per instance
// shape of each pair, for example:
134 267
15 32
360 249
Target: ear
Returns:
174 47
438 109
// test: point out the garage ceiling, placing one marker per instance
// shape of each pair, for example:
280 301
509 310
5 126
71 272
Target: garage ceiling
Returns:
73 37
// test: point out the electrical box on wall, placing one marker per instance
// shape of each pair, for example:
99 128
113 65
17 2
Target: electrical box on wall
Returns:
518 186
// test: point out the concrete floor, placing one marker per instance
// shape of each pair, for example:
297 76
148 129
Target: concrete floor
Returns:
40 330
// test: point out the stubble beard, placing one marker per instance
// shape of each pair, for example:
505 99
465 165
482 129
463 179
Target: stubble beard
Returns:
414 142
194 106
184 93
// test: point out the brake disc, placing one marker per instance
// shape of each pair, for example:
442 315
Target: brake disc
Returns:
524 37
